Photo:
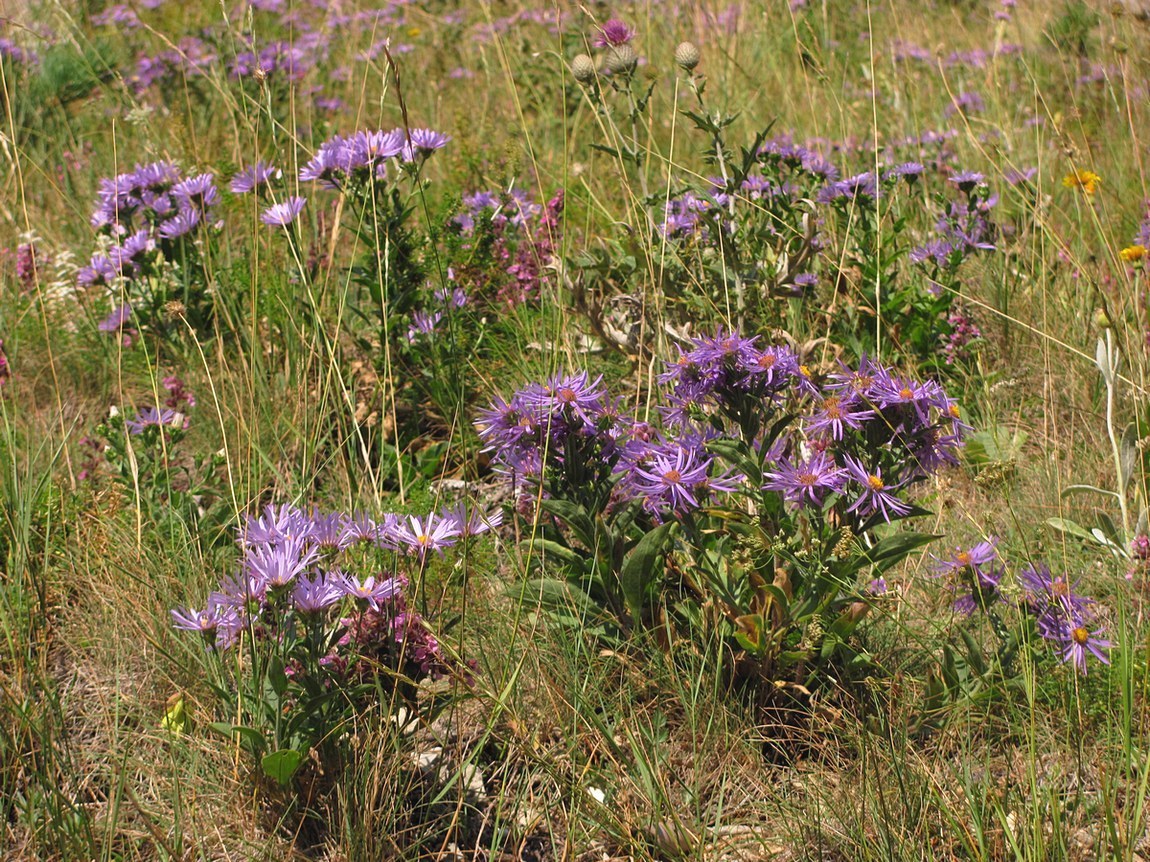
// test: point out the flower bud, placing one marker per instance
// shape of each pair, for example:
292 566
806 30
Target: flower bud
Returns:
1101 318
583 69
687 56
622 60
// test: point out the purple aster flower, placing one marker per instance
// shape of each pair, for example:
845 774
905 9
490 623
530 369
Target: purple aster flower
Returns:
1045 592
471 521
100 272
359 529
366 149
804 483
909 171
278 565
725 347
672 476
836 412
276 524
876 495
314 595
283 214
433 533
117 320
152 416
422 143
1071 634
326 166
326 531
254 177
978 570
504 424
860 188
198 193
771 368
967 180
889 391
182 224
568 395
218 624
613 34
375 593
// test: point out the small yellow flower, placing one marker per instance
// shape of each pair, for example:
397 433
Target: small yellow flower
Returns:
1133 253
1088 181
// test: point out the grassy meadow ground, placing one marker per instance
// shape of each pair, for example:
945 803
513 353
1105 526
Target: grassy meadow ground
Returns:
562 728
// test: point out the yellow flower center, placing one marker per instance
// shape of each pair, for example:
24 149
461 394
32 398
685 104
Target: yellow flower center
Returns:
808 479
1080 635
832 409
673 476
963 558
875 482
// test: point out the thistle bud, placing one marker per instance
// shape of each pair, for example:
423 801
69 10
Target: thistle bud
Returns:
583 69
622 60
687 56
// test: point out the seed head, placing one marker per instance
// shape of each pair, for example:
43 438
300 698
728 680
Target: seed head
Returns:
622 60
687 56
583 69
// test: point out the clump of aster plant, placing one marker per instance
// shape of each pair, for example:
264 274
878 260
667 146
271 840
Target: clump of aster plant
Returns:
153 222
1048 605
749 467
320 602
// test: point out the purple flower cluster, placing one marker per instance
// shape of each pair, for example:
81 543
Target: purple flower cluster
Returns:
5 370
118 321
155 417
516 208
29 264
1064 618
964 227
865 433
362 158
963 331
145 210
297 571
524 236
974 574
568 431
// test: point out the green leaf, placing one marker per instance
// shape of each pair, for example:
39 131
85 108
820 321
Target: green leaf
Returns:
1129 455
555 595
1094 489
549 548
640 568
282 765
974 652
251 740
894 549
737 454
277 678
575 517
1065 525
